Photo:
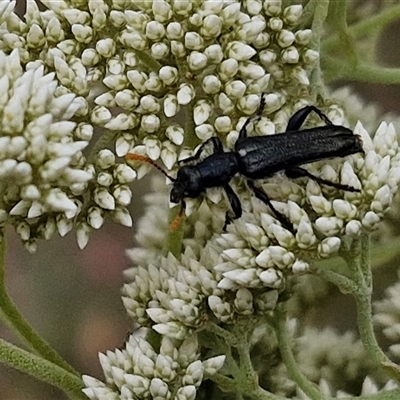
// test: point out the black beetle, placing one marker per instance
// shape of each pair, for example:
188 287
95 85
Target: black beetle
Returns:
260 157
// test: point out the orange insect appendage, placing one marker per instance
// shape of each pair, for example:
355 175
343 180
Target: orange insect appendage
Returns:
138 157
177 220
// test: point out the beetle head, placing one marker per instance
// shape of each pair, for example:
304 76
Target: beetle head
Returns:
186 184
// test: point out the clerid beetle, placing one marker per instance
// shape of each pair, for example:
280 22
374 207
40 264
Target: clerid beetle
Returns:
260 157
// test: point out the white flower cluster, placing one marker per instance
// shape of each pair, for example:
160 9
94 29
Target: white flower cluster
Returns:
259 252
139 372
369 388
387 317
42 168
171 295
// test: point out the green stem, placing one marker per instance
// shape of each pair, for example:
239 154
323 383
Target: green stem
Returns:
20 327
345 284
309 388
318 87
365 26
41 369
336 68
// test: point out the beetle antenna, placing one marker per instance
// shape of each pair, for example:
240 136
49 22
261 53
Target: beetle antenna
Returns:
178 219
138 157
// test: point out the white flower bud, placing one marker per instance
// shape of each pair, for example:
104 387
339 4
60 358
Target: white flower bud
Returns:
272 7
292 14
275 24
267 57
152 148
100 115
82 234
272 278
303 37
168 154
124 174
197 61
121 216
122 122
221 309
353 228
186 94
57 200
251 70
154 83
116 82
90 57
329 246
243 302
175 31
171 329
178 49
104 179
122 195
202 111
104 199
213 365
95 217
211 84
285 38
123 144
137 79
159 50
204 131
105 159
159 389
150 123
23 230
329 226
64 225
235 89
154 31
35 37
240 51
126 99
75 16
321 205
344 210
224 103
106 47
212 26
290 55
310 57
382 200
230 14
82 33
169 75
251 29
223 124
170 105
117 18
214 53
175 133
228 69
300 267
249 104
186 393
193 41
54 32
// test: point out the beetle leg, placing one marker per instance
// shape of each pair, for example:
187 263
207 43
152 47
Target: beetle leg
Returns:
235 205
298 118
216 147
298 172
256 117
260 194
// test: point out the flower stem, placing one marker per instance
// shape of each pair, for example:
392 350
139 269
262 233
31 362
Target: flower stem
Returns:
308 387
41 369
20 327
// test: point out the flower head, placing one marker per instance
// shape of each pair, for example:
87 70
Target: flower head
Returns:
138 371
